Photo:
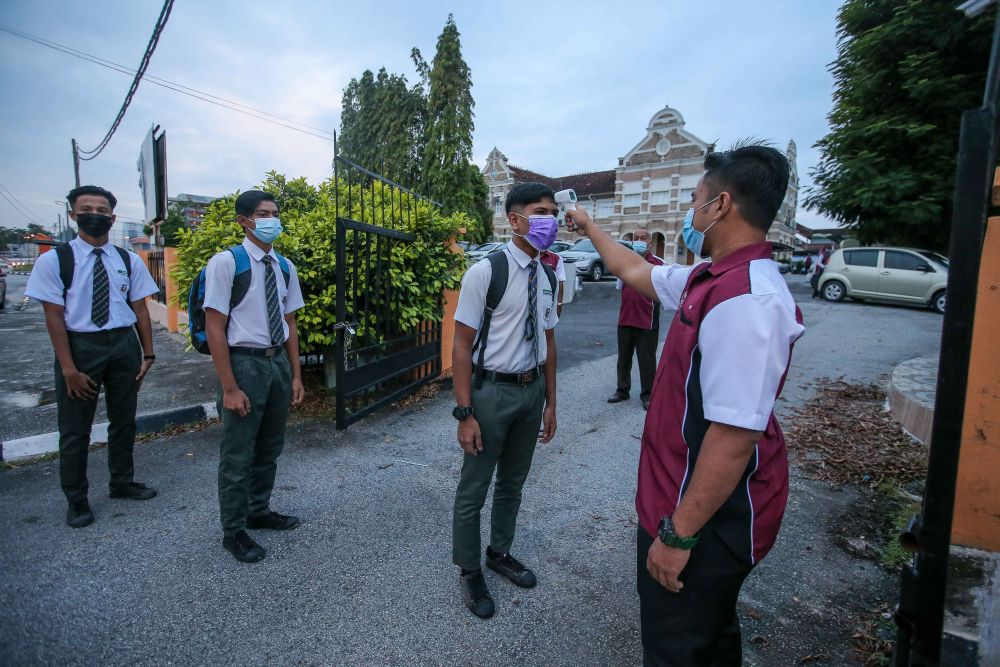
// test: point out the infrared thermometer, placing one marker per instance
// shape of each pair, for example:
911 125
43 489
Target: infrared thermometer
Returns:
566 199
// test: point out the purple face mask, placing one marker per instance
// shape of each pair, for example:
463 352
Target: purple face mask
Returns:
542 231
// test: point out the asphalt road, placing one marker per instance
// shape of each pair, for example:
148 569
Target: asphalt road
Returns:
368 579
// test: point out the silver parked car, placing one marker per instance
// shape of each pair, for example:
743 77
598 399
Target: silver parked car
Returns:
588 262
477 253
891 275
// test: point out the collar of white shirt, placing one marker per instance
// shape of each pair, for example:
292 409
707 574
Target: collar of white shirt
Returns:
255 251
85 248
522 258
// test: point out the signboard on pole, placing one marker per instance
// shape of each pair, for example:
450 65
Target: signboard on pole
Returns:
152 167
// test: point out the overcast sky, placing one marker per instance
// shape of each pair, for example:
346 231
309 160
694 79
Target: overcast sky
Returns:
560 88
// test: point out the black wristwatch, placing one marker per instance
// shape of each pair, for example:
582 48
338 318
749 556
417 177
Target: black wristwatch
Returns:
461 413
149 357
670 537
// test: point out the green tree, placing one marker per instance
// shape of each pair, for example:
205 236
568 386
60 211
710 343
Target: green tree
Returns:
448 175
382 125
905 72
170 228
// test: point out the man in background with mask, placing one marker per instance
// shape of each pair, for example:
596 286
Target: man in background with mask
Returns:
255 349
713 469
638 331
504 370
94 297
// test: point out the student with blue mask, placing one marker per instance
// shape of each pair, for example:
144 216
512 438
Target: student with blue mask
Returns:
255 349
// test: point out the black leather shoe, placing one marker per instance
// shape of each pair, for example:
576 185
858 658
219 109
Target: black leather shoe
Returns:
618 397
273 521
243 548
133 491
79 515
509 567
475 594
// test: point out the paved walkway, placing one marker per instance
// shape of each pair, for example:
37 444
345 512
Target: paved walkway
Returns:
367 579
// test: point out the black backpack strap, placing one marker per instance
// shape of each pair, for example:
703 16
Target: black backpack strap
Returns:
64 252
499 272
123 253
551 273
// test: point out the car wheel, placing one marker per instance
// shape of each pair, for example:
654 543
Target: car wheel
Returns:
596 272
939 301
834 291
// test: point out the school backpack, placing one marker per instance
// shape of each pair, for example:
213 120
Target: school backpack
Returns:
498 285
241 284
64 253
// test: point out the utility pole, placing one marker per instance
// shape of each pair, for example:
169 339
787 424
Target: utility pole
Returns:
76 161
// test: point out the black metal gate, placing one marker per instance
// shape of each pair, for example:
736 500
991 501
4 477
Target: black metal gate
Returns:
378 361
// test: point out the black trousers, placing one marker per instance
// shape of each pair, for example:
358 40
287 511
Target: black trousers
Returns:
112 359
697 626
641 343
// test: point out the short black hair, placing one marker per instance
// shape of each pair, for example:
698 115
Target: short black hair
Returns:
755 174
523 194
248 201
94 190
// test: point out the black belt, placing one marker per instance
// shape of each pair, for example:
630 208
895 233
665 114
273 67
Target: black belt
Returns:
527 377
256 351
103 332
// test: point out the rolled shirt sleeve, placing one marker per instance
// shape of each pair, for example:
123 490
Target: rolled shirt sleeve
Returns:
745 344
472 298
219 282
44 283
669 282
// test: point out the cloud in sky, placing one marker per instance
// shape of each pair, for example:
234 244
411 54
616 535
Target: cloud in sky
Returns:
559 87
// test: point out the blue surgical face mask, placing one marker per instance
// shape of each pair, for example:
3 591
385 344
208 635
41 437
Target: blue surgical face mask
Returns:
640 247
267 229
693 238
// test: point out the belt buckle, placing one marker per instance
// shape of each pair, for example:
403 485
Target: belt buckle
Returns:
271 351
527 377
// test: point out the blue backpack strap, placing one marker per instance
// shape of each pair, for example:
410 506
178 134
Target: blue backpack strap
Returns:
285 271
241 276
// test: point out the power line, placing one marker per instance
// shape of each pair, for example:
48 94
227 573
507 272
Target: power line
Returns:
20 207
238 107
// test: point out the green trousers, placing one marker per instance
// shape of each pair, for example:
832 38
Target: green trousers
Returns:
248 457
510 417
112 359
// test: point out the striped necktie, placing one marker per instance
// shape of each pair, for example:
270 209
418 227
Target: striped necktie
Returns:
271 293
100 305
531 324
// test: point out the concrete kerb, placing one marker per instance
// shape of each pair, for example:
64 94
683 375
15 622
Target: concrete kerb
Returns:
24 449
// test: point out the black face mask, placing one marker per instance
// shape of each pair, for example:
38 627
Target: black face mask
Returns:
93 224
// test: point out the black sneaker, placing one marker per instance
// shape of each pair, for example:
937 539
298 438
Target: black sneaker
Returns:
475 594
79 515
133 491
243 548
511 568
273 521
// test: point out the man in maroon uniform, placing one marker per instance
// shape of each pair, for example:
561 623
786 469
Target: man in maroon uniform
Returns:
638 331
713 472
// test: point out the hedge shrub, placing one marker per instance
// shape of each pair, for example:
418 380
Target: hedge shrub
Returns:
419 271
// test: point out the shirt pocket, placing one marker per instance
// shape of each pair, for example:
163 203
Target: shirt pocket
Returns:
120 283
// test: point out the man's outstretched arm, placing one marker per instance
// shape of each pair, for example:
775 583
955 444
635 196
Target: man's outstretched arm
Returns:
629 266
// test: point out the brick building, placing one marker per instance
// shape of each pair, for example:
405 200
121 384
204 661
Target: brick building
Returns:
651 187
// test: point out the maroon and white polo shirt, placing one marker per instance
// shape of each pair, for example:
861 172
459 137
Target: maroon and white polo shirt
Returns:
636 310
725 360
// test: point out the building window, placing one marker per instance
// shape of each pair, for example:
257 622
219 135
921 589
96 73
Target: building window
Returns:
659 198
685 197
605 209
497 206
632 200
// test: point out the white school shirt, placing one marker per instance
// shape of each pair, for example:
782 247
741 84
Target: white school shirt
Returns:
248 325
506 349
45 284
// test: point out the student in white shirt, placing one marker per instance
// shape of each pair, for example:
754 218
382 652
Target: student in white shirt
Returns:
92 313
255 348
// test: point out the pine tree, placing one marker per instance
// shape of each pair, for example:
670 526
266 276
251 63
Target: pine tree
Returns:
905 72
447 169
